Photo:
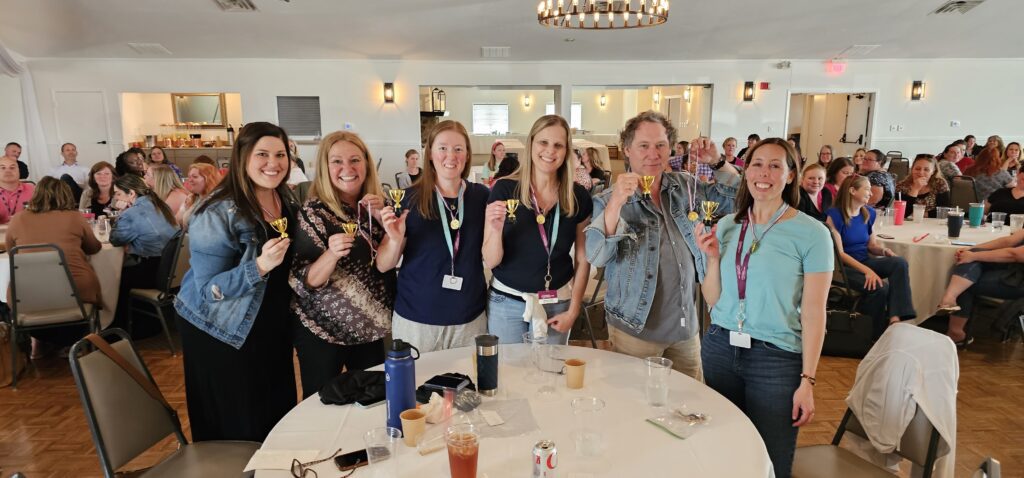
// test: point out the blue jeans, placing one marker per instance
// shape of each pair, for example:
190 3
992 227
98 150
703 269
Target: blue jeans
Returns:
505 319
893 298
988 281
760 381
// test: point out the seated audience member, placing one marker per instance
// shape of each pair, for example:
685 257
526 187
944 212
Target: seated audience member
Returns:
14 194
752 139
494 163
293 150
204 159
591 160
13 151
296 176
201 181
1008 200
993 269
866 261
1011 157
69 171
995 141
838 171
130 162
579 171
970 146
924 185
812 183
679 157
858 159
98 197
144 227
950 156
796 146
729 152
508 166
883 187
825 155
52 218
167 186
988 172
412 170
157 158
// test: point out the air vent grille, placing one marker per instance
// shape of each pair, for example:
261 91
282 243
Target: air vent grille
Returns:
856 51
150 49
236 5
957 6
495 51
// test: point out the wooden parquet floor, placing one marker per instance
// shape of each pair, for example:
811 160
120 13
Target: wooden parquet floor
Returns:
43 432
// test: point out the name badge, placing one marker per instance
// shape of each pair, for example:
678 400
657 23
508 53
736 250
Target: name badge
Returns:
739 339
451 282
548 296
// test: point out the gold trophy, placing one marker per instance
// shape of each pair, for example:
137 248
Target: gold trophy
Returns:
350 228
709 208
511 205
397 195
645 185
281 226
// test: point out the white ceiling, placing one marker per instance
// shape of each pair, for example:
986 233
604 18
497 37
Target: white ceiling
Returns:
456 29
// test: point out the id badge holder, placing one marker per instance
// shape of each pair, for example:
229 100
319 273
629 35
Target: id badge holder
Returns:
547 297
739 339
451 282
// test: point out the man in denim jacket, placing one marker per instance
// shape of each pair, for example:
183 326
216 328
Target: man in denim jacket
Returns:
647 246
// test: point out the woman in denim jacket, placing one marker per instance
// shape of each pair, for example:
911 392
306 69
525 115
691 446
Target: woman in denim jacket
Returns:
235 332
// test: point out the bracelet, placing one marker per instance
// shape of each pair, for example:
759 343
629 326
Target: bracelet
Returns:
809 378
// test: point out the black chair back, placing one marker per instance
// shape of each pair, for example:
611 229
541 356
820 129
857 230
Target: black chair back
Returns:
962 192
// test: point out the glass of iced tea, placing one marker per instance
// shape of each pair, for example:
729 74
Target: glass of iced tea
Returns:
463 449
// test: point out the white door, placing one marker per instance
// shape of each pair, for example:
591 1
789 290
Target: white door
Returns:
82 120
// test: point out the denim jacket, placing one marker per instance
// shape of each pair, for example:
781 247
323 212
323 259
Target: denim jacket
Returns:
143 229
222 291
631 254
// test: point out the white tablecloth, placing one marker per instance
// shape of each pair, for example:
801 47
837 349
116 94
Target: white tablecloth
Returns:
932 259
107 264
728 446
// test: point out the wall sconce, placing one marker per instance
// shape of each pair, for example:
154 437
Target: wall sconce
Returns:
389 92
657 97
748 91
526 101
917 90
437 100
603 100
686 94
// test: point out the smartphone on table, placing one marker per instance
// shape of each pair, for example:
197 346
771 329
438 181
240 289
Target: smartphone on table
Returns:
351 460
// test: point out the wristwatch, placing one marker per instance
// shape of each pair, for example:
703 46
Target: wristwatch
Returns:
721 162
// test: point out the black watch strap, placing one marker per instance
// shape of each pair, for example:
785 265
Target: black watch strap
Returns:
719 165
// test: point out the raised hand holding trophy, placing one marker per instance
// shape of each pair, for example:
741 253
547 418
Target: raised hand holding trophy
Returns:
281 226
709 208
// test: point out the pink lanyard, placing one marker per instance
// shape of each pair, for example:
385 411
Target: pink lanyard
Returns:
369 225
17 196
549 247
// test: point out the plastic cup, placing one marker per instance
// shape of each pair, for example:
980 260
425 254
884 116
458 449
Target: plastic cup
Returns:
658 369
463 442
998 219
919 212
588 436
414 422
1016 222
976 214
381 448
942 212
899 211
954 221
574 369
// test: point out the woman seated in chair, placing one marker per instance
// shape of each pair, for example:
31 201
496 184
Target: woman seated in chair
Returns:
167 186
98 198
202 179
144 227
924 185
989 173
14 194
838 170
993 269
1008 200
412 171
951 155
812 184
158 158
866 261
131 162
52 218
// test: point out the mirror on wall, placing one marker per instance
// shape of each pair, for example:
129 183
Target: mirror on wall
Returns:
203 109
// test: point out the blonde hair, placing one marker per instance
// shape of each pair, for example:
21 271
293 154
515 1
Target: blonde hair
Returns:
845 198
165 180
595 158
566 198
323 189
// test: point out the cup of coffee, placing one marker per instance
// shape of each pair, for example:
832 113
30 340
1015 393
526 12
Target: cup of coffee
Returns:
574 369
899 211
413 423
954 221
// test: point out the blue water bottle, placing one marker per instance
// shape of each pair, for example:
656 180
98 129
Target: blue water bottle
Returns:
400 380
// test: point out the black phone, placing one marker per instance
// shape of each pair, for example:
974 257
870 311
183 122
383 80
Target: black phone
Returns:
351 460
446 381
375 399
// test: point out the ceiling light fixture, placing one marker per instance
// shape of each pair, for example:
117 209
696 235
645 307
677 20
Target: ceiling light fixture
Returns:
586 14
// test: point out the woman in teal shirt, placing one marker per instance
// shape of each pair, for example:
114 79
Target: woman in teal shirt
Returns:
768 271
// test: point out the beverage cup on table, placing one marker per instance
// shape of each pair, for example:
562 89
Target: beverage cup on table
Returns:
414 422
976 214
658 370
899 210
463 442
954 221
381 449
1016 222
942 212
919 213
998 219
574 369
588 412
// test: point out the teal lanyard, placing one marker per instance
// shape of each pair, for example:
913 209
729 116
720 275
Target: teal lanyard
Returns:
453 248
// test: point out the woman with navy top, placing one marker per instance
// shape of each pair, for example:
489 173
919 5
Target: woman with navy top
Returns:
537 287
236 327
437 231
768 272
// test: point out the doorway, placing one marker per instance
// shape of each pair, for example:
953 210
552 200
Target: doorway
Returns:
82 120
840 120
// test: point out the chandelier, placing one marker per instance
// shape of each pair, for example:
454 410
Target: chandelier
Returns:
602 14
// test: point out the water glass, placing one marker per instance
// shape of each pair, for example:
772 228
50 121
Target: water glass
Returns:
658 370
589 425
998 219
919 213
1016 222
381 446
103 229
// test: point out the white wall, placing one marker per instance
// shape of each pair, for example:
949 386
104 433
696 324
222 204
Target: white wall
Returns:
12 119
146 113
460 101
985 101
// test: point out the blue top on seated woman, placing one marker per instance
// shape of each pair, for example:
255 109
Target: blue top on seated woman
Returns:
143 229
855 235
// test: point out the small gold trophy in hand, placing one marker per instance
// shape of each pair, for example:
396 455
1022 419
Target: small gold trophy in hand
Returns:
281 226
709 208
350 228
645 185
397 195
511 205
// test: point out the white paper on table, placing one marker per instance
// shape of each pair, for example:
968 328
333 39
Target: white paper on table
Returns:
279 459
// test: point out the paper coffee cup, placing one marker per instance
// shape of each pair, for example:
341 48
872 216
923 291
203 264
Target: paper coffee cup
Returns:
413 424
574 373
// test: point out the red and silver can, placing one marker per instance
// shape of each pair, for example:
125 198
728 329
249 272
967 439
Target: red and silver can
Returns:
545 459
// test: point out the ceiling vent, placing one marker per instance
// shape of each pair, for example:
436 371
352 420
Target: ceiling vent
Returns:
495 51
856 51
236 5
954 6
150 49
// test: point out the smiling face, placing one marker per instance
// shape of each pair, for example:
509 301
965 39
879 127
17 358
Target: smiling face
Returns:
70 153
648 153
13 151
922 169
8 170
843 174
858 157
813 181
548 151
268 163
680 149
347 168
871 162
825 155
954 154
767 173
135 163
156 155
861 194
448 155
195 182
104 178
1013 152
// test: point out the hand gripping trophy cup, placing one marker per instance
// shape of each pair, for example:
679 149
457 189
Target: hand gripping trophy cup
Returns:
350 228
510 206
645 185
397 195
281 226
709 208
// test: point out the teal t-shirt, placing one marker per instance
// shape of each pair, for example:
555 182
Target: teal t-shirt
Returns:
775 278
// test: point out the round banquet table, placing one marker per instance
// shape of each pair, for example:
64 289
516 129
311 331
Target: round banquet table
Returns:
727 446
931 259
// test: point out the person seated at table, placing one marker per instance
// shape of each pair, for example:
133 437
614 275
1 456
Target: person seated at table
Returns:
167 186
729 152
858 159
768 273
680 157
993 269
14 194
542 254
98 198
579 171
439 237
951 155
51 218
508 166
13 150
201 181
204 159
591 159
144 227
883 187
343 304
752 139
494 161
825 155
989 173
924 185
157 157
1008 200
812 183
130 162
838 170
1011 157
867 262
412 170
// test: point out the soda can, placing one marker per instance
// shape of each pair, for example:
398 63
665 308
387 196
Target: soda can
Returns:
545 459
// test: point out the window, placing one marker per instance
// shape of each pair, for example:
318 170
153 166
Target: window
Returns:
299 115
490 118
575 114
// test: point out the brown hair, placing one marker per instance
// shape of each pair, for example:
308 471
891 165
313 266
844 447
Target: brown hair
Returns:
92 179
149 157
649 116
936 174
204 159
52 194
324 189
846 198
492 163
133 183
410 153
595 157
988 162
790 194
566 198
424 187
836 166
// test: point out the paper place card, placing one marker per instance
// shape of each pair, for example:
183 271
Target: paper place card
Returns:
279 459
491 417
